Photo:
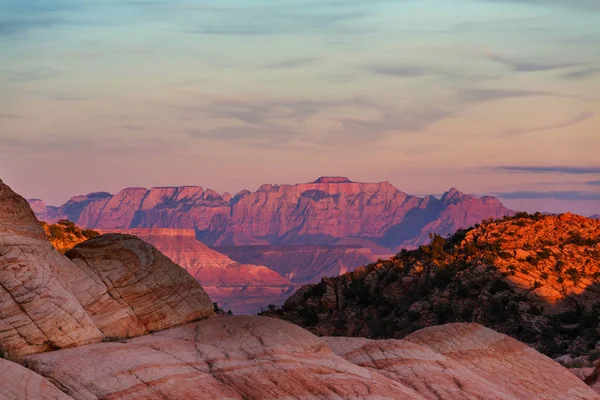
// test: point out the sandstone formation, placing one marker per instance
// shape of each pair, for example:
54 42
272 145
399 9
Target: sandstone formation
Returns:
533 277
118 286
38 312
129 288
241 288
320 213
261 358
18 383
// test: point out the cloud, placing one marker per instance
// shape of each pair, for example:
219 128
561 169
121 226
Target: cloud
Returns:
477 95
293 63
573 121
544 169
528 66
30 75
10 116
400 71
555 195
594 183
582 73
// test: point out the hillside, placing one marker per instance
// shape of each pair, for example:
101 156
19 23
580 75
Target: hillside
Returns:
64 235
533 277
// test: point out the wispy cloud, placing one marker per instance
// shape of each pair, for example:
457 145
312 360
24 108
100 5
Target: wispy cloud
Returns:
34 74
528 65
594 183
555 195
476 95
547 169
583 73
293 63
573 121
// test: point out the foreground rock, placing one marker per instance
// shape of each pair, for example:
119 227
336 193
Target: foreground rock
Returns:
18 383
263 358
118 286
129 288
38 311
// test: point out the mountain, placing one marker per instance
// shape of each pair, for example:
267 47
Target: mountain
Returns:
115 318
533 277
317 213
241 288
303 231
595 216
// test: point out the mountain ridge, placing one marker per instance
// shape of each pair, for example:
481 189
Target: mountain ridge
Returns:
320 212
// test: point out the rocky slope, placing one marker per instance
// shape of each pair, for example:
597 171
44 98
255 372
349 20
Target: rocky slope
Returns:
320 213
118 286
241 288
532 277
64 235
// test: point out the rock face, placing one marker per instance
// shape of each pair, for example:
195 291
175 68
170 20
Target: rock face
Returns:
118 286
320 213
38 312
18 383
129 288
535 278
262 358
242 288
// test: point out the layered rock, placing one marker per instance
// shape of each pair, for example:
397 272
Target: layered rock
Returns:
18 383
262 358
38 311
117 286
533 277
129 288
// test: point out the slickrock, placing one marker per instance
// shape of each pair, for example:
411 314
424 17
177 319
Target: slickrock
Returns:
261 358
129 288
38 312
18 383
464 361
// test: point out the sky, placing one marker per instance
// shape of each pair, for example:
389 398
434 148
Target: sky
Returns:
497 97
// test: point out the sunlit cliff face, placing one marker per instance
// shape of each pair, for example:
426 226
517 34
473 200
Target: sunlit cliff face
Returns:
495 97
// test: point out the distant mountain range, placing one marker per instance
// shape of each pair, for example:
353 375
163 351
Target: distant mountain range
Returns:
329 211
595 216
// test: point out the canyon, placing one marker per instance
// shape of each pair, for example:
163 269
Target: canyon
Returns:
300 232
115 318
